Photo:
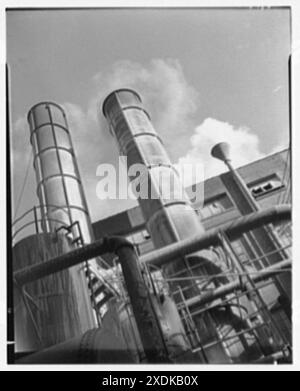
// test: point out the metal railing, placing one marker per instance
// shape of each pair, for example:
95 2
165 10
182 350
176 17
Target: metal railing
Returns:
264 323
37 217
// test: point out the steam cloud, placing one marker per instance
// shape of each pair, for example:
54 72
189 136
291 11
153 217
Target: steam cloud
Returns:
244 146
172 104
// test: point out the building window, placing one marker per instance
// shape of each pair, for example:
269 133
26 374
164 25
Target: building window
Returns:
214 206
265 186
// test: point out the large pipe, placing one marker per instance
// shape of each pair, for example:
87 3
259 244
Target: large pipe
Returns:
221 151
158 257
96 346
144 313
211 238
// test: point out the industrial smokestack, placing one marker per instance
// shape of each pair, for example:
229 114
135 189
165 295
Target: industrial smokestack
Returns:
59 186
169 215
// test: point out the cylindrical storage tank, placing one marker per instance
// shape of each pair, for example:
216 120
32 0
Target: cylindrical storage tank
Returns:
52 309
59 186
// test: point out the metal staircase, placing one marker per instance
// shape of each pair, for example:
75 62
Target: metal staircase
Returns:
101 291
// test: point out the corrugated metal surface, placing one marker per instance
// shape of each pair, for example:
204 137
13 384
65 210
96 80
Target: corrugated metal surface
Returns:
52 309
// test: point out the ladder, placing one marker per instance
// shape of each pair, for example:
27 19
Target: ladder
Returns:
101 291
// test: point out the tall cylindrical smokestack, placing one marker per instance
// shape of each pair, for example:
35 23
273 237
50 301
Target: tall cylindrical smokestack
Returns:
168 212
59 187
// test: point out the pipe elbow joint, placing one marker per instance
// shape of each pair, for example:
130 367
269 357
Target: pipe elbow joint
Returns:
114 243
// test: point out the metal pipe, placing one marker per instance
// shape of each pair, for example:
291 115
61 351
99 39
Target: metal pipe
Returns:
64 261
143 310
221 151
210 238
150 332
94 346
147 322
157 257
229 288
243 188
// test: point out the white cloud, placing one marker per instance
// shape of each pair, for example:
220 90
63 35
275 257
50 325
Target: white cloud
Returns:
244 146
171 102
166 94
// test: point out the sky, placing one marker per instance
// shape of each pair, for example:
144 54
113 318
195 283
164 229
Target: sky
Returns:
205 76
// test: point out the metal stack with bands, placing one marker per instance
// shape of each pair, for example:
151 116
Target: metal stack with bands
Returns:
59 187
167 210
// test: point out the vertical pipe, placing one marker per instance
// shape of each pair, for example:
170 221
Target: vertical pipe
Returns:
145 316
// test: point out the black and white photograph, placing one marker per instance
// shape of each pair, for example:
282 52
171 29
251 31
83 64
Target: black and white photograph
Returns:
149 186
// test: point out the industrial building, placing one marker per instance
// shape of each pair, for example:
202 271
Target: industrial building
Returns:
169 281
